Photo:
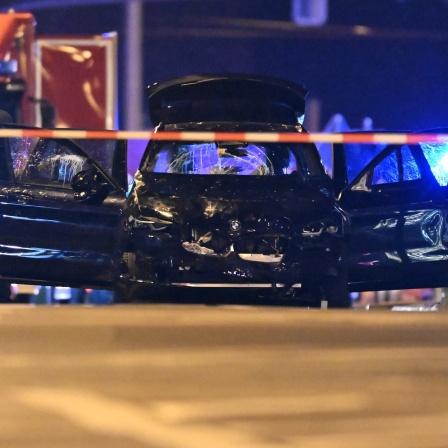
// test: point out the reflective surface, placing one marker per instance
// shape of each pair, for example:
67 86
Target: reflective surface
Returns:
232 213
49 232
397 206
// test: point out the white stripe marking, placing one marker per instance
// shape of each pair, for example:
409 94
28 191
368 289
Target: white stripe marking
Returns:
118 418
212 136
262 136
394 139
193 136
256 407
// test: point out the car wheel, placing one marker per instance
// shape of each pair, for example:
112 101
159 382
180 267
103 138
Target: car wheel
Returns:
123 290
335 292
330 291
129 261
122 293
128 292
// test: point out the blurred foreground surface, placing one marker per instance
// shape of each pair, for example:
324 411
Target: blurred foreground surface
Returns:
196 376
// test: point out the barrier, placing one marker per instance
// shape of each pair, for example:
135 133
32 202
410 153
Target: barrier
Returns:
287 137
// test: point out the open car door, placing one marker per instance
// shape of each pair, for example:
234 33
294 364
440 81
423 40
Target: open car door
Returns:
60 210
397 204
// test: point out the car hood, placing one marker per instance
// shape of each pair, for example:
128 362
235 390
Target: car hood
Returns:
187 199
242 98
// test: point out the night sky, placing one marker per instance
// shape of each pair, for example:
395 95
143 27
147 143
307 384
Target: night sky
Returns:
397 74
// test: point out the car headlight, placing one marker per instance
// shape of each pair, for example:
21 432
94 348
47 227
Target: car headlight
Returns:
145 222
317 228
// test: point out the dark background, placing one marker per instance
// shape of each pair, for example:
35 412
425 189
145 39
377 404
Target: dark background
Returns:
395 72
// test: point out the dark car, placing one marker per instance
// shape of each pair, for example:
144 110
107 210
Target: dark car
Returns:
226 214
396 197
60 210
231 214
234 214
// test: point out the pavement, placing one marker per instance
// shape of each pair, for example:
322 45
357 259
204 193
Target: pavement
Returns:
192 376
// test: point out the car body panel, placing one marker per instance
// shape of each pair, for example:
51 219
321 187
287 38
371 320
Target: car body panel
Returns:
47 235
227 214
201 217
235 98
397 206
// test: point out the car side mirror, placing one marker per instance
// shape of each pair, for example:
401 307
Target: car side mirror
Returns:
89 187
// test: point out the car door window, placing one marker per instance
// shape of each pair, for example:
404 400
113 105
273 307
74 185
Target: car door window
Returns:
411 171
437 156
102 151
358 156
46 162
399 166
21 150
386 172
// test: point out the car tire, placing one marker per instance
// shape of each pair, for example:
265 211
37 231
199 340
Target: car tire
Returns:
129 261
335 292
123 287
331 290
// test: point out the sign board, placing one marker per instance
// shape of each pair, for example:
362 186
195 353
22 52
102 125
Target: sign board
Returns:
78 76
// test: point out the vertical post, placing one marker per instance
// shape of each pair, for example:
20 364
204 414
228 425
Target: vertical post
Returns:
312 115
133 65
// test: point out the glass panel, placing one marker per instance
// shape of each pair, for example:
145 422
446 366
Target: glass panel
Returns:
411 171
437 156
386 171
52 164
358 156
21 149
102 151
308 159
231 158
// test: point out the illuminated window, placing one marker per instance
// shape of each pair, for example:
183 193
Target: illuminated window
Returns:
437 156
399 166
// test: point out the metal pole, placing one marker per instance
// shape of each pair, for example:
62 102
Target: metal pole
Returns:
133 65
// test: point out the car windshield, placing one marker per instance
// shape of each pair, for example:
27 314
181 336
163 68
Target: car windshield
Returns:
231 158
